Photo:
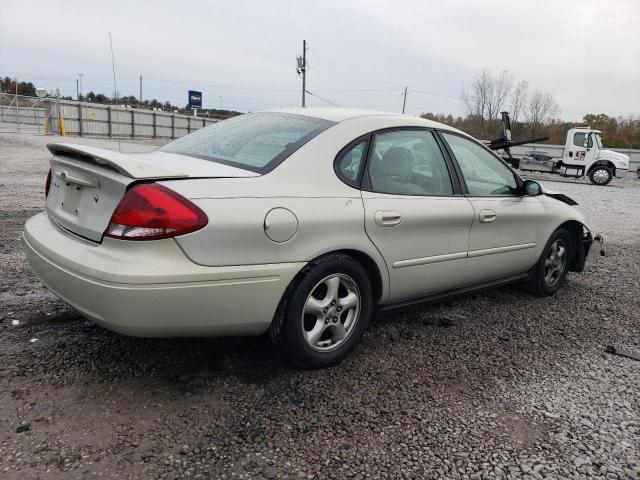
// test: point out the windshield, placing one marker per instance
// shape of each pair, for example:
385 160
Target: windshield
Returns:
599 141
255 141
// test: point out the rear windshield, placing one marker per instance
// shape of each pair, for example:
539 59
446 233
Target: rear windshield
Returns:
254 141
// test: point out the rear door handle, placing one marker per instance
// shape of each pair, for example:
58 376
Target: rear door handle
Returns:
487 216
387 219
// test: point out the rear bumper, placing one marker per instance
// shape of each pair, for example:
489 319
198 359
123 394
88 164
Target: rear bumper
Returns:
151 288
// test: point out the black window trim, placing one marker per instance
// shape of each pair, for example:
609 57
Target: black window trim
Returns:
353 183
364 183
519 180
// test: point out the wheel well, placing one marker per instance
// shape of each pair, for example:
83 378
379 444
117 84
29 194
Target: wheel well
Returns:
604 163
370 266
577 231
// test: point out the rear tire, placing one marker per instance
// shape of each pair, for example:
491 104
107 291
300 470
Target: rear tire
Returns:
324 312
601 175
552 267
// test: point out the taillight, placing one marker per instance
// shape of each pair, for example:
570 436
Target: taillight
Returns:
47 185
150 211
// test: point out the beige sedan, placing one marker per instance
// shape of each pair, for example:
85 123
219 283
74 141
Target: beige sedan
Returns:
299 223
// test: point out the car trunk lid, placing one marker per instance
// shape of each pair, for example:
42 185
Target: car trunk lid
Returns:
87 183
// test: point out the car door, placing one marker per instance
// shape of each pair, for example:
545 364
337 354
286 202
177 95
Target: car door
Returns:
415 213
580 149
502 238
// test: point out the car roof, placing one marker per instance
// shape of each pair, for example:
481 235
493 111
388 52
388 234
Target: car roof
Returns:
342 114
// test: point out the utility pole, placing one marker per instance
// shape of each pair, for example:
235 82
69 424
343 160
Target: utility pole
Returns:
140 89
17 106
79 85
113 67
302 70
404 102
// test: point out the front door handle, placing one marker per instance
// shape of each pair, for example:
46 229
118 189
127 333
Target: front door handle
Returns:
487 216
387 219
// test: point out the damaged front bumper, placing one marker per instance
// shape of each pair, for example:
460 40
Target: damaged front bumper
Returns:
593 246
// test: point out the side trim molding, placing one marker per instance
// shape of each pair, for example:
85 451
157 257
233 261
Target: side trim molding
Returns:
457 256
492 251
426 260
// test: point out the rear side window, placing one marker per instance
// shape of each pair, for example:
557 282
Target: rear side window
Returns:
255 141
408 162
350 162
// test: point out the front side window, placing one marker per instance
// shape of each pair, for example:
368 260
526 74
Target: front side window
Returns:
483 173
408 162
578 140
255 141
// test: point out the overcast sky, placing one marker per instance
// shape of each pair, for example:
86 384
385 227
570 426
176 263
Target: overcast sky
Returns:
241 54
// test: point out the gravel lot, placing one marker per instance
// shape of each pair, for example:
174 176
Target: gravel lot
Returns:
495 385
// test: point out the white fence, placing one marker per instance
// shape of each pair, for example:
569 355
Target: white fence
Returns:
68 117
31 116
91 119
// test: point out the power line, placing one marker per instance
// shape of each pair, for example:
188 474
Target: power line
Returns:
321 58
220 85
321 98
435 94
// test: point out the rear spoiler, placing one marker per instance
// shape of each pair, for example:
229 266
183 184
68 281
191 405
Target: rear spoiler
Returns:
125 164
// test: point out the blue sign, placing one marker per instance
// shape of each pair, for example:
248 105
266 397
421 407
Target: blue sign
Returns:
195 99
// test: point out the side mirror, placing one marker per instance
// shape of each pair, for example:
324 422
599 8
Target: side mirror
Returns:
532 188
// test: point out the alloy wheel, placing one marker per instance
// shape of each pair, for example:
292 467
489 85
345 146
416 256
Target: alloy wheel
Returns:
331 312
555 263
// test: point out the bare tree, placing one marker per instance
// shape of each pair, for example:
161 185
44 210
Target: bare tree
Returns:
498 92
519 100
475 99
487 96
541 108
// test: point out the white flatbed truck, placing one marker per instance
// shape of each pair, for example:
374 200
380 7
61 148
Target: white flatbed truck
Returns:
583 155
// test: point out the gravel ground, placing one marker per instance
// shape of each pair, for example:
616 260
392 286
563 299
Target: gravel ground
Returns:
495 385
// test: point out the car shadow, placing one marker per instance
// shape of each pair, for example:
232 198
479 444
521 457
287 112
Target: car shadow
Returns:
75 348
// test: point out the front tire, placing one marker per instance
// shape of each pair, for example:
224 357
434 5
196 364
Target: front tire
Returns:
601 175
324 312
552 268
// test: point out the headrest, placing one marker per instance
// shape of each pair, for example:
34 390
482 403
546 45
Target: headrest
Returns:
397 161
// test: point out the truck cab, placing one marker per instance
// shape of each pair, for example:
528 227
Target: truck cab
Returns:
584 155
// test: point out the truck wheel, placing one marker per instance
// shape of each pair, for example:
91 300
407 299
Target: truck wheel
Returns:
324 312
552 268
600 175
